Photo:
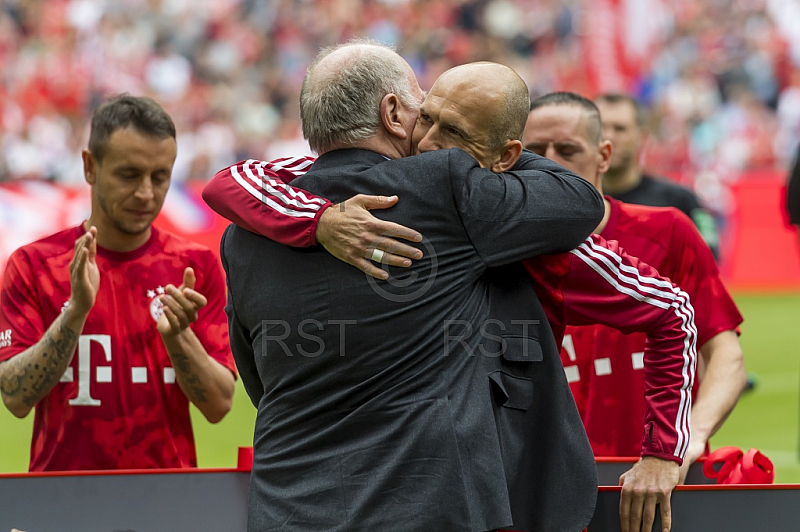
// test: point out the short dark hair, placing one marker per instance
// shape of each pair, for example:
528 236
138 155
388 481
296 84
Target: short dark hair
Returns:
123 110
595 129
618 97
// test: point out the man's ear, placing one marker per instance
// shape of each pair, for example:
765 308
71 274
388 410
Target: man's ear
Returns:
508 156
89 167
392 117
605 157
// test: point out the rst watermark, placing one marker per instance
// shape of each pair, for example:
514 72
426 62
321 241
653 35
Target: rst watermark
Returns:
304 330
491 338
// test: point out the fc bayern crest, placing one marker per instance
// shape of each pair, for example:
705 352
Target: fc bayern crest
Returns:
156 306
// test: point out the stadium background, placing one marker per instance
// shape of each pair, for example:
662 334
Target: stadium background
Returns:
720 79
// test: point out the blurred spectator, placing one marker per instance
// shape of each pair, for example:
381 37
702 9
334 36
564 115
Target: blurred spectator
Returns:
720 77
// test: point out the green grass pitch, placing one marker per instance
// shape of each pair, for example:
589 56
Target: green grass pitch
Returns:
765 419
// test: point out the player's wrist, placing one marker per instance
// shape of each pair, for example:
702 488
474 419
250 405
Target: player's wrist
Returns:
77 310
323 232
179 341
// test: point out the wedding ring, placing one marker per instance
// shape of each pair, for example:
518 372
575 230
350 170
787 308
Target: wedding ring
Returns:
377 255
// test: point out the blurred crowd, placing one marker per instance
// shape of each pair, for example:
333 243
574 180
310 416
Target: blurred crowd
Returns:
720 79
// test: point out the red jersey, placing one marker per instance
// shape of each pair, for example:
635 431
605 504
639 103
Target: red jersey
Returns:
605 367
595 283
118 405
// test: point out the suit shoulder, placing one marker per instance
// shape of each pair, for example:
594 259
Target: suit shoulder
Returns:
439 159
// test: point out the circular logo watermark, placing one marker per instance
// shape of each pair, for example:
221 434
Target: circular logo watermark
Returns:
413 279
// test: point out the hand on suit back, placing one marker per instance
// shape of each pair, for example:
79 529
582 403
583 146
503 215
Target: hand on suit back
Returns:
349 232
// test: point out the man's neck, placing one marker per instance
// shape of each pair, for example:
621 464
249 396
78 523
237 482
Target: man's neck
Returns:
622 180
606 215
376 144
112 239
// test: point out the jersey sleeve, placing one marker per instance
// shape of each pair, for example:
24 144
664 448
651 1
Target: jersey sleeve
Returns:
606 286
211 327
21 323
698 275
257 196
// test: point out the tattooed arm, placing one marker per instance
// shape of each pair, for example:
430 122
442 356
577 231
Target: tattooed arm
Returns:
29 376
206 383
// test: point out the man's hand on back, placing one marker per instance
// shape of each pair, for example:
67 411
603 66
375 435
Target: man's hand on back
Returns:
349 232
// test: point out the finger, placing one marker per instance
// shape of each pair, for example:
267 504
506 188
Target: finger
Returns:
384 257
370 269
394 252
173 320
195 297
184 302
395 260
636 510
375 202
398 248
385 228
81 241
624 509
179 313
92 245
188 278
648 513
79 261
666 514
80 244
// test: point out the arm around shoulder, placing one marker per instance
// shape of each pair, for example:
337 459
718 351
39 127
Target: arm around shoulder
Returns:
539 207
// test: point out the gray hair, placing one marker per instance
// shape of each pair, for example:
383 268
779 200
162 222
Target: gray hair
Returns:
342 107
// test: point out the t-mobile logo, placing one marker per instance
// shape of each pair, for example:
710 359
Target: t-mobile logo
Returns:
102 373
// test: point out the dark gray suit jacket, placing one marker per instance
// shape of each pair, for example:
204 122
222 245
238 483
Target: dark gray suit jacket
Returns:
435 401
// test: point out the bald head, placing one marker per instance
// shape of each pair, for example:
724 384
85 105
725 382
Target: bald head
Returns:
342 91
500 96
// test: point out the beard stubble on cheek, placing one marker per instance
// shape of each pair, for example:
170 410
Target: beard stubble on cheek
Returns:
118 216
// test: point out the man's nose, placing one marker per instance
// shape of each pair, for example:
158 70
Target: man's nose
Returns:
429 142
145 190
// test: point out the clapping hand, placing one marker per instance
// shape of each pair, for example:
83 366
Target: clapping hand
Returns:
83 272
180 306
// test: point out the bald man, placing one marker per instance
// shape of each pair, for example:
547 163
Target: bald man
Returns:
391 405
472 107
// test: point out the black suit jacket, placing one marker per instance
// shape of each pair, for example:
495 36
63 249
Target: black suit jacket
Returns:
429 402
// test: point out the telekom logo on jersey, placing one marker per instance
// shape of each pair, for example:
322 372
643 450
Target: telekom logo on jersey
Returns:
102 373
